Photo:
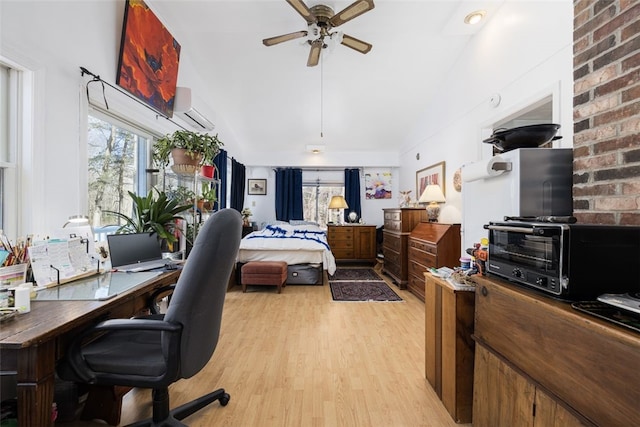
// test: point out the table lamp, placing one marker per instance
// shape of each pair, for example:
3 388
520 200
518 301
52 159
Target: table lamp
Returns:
337 203
432 195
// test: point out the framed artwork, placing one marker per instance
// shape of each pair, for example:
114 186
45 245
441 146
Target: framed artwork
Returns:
257 187
149 58
377 183
433 174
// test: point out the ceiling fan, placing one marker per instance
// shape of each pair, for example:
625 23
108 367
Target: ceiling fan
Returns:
321 20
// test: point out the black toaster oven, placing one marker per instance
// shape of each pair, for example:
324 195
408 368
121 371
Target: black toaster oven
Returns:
570 261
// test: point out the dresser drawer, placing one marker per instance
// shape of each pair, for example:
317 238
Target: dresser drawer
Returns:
340 232
416 269
426 259
340 244
391 256
423 246
392 225
392 215
392 242
393 269
343 253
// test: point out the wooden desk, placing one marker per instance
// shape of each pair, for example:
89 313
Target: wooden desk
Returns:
31 344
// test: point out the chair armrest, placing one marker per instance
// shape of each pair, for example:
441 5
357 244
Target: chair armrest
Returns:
161 292
135 325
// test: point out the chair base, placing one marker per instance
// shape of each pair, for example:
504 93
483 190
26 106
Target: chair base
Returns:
163 417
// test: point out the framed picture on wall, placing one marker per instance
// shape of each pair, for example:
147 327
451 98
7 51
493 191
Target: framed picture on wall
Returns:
257 187
433 174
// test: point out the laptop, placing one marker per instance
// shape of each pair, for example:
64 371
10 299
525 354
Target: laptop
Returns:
136 252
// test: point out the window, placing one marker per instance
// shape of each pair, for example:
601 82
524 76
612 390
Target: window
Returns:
117 163
315 200
9 101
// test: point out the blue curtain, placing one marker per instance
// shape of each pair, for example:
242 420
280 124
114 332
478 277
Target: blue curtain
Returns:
238 172
352 192
220 162
289 194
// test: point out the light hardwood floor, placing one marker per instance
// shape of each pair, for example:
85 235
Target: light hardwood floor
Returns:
301 359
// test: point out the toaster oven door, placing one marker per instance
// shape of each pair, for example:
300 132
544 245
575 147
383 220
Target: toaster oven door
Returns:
528 254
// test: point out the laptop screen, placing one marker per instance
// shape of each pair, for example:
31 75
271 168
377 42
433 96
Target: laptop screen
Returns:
133 248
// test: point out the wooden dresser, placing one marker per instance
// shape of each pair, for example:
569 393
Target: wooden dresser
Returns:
540 362
431 244
352 242
398 223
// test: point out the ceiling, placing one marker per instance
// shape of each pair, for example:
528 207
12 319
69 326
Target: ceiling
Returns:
271 100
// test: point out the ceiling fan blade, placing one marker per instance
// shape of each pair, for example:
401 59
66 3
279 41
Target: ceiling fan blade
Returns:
303 10
283 38
355 44
355 9
314 53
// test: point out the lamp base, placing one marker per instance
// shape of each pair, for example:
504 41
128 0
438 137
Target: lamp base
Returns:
433 212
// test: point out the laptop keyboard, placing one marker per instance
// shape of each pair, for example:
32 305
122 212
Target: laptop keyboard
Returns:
144 266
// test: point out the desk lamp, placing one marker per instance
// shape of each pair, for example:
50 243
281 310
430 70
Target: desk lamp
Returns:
432 195
337 203
76 220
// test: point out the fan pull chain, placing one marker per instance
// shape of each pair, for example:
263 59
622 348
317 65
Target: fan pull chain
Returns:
321 98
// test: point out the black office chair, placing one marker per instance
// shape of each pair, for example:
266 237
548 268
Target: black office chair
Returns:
155 351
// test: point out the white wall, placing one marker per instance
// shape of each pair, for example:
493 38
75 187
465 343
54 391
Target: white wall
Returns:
54 39
522 54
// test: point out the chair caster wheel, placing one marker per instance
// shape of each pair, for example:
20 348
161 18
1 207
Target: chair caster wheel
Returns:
225 399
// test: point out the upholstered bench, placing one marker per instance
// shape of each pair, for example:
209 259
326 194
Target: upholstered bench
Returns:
272 273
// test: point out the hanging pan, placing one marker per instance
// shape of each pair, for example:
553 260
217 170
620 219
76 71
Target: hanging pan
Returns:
531 136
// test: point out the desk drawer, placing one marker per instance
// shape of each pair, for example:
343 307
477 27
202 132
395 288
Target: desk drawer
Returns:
423 246
417 269
424 258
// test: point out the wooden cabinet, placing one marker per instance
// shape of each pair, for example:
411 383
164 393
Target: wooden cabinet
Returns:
398 223
431 244
537 358
352 242
504 397
449 347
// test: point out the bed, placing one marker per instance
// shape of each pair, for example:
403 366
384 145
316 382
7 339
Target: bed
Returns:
303 247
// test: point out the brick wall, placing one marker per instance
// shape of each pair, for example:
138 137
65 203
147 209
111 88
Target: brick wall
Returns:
606 109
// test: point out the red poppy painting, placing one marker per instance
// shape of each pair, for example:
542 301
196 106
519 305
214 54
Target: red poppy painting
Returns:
149 57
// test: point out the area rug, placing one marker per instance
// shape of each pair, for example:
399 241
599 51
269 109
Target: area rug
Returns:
362 290
354 274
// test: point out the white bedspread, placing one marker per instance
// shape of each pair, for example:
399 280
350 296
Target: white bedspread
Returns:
299 244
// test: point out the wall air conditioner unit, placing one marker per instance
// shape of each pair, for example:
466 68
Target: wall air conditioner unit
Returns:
183 110
196 120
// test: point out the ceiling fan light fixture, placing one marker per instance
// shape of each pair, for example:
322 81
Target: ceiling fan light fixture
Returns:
475 17
315 149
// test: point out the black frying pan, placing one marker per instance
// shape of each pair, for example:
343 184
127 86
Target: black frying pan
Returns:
523 137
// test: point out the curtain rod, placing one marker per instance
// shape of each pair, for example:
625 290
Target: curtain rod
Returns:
96 78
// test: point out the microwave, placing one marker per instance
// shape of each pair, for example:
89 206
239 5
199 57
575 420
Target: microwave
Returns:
569 261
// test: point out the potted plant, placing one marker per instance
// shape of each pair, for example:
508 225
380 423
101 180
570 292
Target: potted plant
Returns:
208 194
153 214
189 150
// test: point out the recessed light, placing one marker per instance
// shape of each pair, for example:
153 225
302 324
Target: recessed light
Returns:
474 17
